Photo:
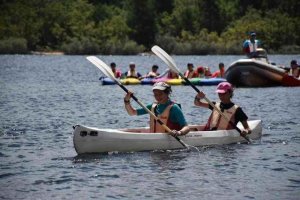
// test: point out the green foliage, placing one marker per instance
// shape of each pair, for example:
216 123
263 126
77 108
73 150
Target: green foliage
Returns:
131 47
133 26
274 29
13 46
84 46
66 20
19 19
289 49
141 18
113 29
185 16
127 47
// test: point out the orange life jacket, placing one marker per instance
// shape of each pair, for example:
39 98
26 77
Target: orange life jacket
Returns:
117 73
219 74
218 122
190 74
155 126
172 75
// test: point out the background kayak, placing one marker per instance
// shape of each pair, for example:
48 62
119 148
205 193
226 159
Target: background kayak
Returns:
205 81
126 81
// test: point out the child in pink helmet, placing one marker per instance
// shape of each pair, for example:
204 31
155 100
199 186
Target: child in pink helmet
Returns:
232 111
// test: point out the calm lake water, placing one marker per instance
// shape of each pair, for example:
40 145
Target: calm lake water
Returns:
41 97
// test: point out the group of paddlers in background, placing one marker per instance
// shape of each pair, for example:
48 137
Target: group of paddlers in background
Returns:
199 72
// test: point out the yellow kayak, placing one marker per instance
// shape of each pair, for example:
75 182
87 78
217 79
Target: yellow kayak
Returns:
130 81
177 81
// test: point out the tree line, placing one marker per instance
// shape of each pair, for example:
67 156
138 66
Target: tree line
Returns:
134 26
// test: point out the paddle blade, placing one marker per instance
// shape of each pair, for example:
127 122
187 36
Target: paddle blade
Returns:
165 57
102 66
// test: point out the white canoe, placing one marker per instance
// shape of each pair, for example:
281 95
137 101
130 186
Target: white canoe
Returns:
95 140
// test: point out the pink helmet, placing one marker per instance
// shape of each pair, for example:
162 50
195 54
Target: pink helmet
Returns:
224 87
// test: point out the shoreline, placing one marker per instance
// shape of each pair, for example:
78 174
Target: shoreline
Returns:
147 53
47 53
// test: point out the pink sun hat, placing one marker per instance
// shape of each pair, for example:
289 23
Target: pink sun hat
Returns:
224 87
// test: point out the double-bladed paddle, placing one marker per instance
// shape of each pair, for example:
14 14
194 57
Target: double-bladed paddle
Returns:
172 65
107 71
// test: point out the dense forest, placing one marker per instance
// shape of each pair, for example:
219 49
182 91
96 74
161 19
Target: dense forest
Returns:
134 26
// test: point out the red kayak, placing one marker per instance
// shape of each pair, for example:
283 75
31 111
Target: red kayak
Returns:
288 80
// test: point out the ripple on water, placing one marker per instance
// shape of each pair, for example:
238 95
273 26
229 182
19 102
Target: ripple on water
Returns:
6 175
296 181
21 156
279 169
51 182
15 145
295 138
249 197
105 176
3 155
292 155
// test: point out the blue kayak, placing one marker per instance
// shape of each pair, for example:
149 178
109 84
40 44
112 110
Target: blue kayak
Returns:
126 81
147 81
151 81
107 81
211 81
144 81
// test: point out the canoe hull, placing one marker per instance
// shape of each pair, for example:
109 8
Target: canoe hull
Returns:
94 140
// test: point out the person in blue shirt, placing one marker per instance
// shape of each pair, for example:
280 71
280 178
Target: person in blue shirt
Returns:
250 46
164 108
